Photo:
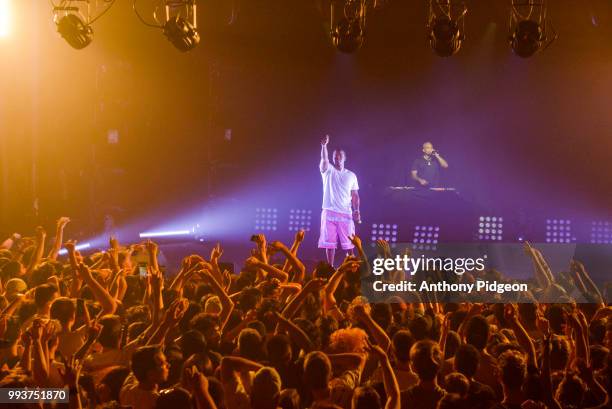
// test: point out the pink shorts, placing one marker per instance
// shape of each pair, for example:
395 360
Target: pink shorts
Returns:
336 226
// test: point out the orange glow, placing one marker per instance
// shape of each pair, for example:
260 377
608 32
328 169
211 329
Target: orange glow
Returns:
5 17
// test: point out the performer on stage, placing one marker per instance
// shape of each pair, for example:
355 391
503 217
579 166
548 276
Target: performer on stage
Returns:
426 169
340 202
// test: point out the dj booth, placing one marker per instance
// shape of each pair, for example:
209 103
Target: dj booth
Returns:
443 207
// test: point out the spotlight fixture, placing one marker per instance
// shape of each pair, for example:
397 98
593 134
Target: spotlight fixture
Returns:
75 31
179 23
530 29
348 24
73 19
446 26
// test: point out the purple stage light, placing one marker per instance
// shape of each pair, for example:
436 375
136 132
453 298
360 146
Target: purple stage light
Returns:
83 246
266 219
300 219
601 232
164 233
490 228
559 231
426 237
382 231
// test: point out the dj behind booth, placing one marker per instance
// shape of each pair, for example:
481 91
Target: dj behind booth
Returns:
425 200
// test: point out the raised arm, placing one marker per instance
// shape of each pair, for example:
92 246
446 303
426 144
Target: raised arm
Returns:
38 252
152 249
379 334
542 272
296 334
100 293
271 271
390 381
313 286
324 164
59 235
227 305
295 262
523 338
299 238
547 388
580 271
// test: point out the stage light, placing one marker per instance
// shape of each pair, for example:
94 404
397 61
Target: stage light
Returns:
382 231
348 26
300 219
171 233
266 219
446 26
490 228
530 29
182 34
426 237
74 18
5 17
179 24
559 231
75 31
601 232
79 247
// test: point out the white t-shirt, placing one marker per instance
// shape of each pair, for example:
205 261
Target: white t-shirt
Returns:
337 186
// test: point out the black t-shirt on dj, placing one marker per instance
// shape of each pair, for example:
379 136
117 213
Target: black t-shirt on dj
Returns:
428 170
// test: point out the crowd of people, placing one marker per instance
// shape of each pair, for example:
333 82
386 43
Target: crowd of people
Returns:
274 335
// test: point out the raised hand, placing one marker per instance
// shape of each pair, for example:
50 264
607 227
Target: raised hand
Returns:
176 311
511 313
260 240
36 330
325 140
383 247
84 272
299 236
356 240
543 325
40 233
151 247
195 380
157 279
62 222
216 252
71 372
375 351
349 265
113 243
70 245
